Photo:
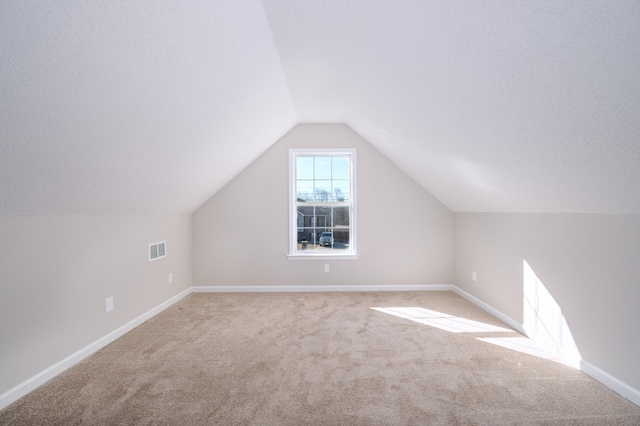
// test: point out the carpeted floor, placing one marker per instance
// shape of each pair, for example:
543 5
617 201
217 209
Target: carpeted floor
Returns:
320 359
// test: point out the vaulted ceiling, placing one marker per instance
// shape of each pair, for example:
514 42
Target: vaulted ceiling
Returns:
153 106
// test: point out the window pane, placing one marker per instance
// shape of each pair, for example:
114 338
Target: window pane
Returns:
305 216
340 189
308 235
340 169
325 238
341 217
308 239
322 168
341 239
323 190
304 167
304 190
324 216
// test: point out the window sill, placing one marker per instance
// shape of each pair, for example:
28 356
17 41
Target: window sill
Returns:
299 256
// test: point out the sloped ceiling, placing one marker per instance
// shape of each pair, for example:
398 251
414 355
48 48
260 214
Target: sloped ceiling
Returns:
154 106
133 106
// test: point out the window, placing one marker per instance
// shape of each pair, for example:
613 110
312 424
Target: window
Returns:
322 203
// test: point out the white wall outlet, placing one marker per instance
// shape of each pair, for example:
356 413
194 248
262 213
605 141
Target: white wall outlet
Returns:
170 278
326 267
474 276
108 305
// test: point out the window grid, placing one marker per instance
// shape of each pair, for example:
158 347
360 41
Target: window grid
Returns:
322 202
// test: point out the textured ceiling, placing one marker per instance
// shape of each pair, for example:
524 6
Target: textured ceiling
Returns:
527 106
154 106
133 106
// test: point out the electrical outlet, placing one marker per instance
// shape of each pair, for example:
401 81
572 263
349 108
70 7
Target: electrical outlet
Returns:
109 305
474 276
326 267
170 278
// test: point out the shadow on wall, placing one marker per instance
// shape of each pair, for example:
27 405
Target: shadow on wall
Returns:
544 321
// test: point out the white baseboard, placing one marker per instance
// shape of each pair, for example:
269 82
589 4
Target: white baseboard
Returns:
44 376
490 309
611 382
596 373
319 288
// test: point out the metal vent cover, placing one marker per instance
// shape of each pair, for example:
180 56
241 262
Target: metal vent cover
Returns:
157 250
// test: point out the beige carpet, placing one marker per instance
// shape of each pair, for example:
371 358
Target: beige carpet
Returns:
320 359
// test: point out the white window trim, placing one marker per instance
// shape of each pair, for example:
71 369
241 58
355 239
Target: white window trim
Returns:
293 222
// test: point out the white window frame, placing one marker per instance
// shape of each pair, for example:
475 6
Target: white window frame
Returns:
294 253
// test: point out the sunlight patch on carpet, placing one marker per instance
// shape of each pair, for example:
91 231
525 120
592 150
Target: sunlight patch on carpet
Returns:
522 344
455 324
442 321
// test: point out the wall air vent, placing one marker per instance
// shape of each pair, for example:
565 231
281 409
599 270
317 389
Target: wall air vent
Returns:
157 250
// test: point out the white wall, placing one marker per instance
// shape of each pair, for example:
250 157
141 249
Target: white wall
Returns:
240 235
589 263
57 271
